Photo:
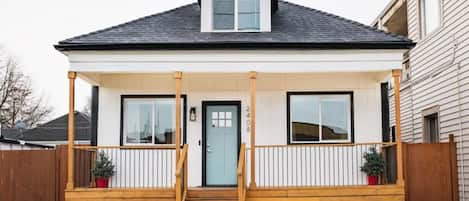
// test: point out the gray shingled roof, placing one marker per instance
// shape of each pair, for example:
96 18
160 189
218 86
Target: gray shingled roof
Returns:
292 26
54 130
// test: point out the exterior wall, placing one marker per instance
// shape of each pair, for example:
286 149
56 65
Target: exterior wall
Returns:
271 103
439 67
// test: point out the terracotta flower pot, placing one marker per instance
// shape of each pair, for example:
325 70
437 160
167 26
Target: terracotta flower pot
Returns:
102 182
373 180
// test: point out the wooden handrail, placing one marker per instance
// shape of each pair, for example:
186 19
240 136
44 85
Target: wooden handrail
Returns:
242 173
242 158
328 145
181 162
181 166
126 147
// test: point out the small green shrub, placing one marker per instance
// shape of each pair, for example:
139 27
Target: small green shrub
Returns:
103 167
374 163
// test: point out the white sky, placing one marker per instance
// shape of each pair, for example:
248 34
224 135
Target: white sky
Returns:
30 28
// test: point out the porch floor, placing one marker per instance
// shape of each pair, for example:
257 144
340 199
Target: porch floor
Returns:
343 193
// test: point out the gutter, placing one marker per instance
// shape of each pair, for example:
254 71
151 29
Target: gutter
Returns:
233 45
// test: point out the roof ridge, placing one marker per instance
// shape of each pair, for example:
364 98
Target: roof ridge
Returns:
125 23
347 20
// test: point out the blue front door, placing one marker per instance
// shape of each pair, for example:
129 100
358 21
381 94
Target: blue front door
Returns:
221 149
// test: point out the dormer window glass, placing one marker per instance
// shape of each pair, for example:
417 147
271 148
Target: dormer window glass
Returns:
223 14
248 15
236 15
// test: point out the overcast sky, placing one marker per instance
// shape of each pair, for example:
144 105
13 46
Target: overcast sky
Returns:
30 28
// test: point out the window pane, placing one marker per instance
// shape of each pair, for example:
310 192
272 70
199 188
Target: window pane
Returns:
164 122
432 15
248 15
335 118
304 115
223 14
148 117
138 122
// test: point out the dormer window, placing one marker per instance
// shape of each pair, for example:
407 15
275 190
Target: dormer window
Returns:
236 15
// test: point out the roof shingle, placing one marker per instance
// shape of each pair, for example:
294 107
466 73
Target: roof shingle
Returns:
292 25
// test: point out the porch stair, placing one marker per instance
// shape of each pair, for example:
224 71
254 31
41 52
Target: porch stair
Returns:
211 194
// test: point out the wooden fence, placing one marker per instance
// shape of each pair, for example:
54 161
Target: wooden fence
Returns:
38 175
431 171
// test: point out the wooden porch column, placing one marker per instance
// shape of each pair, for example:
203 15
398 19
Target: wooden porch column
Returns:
71 128
252 86
178 78
396 74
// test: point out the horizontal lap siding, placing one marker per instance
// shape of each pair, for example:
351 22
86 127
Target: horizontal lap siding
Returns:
406 114
440 77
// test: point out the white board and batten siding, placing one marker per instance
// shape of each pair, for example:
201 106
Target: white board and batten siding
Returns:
271 125
440 77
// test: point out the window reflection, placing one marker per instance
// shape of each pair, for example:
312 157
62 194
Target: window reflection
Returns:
320 118
150 120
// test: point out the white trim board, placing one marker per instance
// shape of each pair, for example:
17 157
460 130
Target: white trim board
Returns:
273 61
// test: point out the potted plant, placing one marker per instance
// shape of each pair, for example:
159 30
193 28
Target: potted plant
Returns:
103 170
373 167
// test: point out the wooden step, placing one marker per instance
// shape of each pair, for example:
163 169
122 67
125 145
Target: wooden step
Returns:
203 194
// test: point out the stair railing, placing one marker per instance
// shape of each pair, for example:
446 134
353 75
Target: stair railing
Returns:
242 187
181 176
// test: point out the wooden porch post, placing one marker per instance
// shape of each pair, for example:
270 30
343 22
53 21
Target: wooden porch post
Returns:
396 74
252 86
178 78
71 128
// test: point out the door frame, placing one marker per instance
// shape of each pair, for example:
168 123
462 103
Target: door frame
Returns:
205 104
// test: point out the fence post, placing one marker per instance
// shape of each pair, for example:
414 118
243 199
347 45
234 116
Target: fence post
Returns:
454 168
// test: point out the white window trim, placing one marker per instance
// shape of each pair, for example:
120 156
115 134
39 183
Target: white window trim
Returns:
144 97
321 141
422 16
236 25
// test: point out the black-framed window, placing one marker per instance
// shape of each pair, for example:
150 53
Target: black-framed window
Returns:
320 117
150 119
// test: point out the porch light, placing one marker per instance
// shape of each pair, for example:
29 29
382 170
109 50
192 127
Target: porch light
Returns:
192 114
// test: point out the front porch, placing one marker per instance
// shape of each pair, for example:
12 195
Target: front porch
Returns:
270 167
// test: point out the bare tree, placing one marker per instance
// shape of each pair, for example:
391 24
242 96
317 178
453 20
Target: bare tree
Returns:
17 100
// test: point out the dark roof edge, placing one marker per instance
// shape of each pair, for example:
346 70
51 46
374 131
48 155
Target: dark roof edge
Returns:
235 45
27 143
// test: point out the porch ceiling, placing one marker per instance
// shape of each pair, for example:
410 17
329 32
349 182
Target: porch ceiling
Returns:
237 81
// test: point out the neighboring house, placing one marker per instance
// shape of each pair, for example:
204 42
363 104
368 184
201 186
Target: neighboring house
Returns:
54 132
7 144
300 87
434 90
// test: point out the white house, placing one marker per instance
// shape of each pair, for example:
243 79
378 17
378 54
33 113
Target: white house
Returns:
296 89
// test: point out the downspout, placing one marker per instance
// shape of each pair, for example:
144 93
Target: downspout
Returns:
460 146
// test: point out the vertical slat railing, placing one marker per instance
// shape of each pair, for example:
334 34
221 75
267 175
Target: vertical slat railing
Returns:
313 165
135 166
242 173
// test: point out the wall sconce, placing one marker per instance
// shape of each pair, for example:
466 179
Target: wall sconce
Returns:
192 114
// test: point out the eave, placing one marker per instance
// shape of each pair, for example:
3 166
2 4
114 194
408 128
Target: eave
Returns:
235 46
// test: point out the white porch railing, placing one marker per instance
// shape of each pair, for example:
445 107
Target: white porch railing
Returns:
135 167
312 165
